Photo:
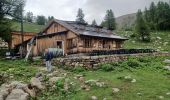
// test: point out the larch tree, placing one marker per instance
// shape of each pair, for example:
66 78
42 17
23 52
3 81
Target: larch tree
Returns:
80 16
109 20
141 28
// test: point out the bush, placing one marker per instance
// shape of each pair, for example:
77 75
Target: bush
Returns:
78 69
134 63
107 67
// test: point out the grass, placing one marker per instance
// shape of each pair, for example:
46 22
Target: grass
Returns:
18 69
159 41
28 27
152 80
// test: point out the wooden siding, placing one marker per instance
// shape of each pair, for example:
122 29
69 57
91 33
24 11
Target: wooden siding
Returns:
55 27
98 44
51 42
16 37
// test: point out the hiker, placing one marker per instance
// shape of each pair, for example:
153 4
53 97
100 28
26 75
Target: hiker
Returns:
48 58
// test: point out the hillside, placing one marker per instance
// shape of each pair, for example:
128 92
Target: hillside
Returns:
125 21
28 27
159 41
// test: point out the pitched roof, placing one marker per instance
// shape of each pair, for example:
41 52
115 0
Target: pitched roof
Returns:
87 30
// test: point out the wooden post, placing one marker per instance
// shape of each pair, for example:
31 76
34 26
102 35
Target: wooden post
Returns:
22 33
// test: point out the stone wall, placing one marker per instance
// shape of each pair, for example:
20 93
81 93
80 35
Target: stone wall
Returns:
91 62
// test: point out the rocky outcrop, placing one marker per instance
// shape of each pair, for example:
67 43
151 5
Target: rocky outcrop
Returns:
17 94
35 82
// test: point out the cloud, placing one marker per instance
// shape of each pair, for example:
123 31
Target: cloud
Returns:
93 9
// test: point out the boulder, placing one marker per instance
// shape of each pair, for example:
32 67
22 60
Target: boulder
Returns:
167 67
30 90
35 82
115 90
17 94
161 97
129 79
168 93
4 92
166 61
17 85
133 81
94 98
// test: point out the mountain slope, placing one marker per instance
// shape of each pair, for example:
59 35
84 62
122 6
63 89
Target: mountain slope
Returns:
125 21
28 27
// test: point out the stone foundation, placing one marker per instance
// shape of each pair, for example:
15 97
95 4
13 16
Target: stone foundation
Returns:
91 62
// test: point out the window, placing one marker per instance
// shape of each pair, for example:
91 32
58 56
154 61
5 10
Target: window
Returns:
118 44
87 43
71 43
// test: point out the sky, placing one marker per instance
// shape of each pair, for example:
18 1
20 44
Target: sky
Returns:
93 9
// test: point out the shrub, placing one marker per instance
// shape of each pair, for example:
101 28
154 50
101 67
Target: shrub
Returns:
78 69
134 63
60 85
107 67
144 59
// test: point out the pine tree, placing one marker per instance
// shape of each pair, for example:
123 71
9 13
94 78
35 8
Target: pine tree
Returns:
152 16
94 23
142 28
109 20
80 16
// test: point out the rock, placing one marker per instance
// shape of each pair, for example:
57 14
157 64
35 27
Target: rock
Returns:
159 47
167 67
91 81
159 38
168 93
104 98
30 90
54 79
17 85
166 61
128 78
139 94
100 84
4 92
35 82
95 83
133 81
85 87
94 98
165 43
161 97
81 79
38 75
17 94
115 90
56 73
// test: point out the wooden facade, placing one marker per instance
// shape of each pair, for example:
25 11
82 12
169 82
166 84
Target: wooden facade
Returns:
16 37
57 35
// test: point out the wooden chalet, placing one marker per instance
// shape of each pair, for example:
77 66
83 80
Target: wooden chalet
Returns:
73 37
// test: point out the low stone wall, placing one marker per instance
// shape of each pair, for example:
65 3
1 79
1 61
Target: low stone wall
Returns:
91 62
